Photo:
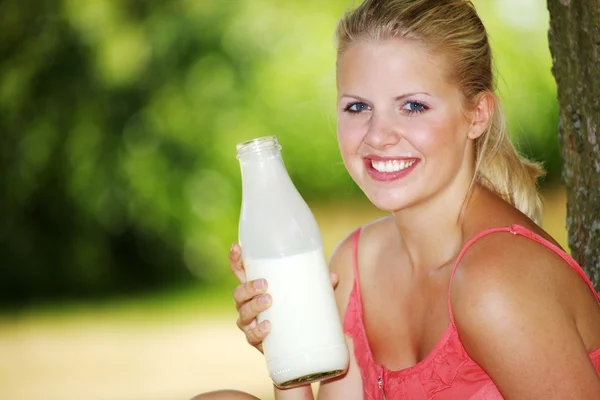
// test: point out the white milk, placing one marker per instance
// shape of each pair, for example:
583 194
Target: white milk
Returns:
306 341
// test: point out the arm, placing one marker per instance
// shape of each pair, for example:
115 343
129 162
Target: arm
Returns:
348 386
247 296
515 316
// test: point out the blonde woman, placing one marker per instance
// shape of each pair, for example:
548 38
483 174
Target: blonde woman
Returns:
458 293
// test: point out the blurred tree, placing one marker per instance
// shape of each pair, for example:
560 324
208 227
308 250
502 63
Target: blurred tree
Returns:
94 149
575 46
119 121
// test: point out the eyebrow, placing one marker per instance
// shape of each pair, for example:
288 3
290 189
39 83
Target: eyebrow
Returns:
401 97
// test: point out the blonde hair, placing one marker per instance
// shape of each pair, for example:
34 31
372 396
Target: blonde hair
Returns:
453 28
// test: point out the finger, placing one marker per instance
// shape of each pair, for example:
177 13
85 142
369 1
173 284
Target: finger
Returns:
256 335
250 310
244 292
335 279
236 264
245 328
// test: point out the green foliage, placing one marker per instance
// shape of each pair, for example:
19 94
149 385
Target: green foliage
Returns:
119 121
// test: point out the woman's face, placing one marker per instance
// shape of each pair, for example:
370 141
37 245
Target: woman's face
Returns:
402 131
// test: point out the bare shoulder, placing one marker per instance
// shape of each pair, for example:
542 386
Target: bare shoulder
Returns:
514 267
342 258
341 263
515 304
376 236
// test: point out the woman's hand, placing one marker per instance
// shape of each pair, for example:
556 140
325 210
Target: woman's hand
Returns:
251 298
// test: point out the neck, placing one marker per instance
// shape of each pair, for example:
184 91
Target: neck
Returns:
432 231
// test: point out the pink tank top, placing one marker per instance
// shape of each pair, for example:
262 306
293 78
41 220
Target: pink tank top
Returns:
447 372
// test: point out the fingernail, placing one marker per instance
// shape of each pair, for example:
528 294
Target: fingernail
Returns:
264 325
264 299
259 283
231 248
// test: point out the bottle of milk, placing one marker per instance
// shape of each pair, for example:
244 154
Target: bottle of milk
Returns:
281 243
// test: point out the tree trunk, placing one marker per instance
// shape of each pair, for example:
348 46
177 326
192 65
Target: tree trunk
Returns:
575 46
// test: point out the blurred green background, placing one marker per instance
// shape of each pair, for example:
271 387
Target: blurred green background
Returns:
120 191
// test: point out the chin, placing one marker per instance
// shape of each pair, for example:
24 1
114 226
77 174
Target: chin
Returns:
388 201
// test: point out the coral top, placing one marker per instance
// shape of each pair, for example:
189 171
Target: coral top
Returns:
447 372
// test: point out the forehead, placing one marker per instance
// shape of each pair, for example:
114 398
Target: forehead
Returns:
395 64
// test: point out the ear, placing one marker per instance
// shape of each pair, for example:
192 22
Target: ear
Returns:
482 114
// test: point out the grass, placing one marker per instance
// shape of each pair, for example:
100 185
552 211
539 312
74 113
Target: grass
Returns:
169 304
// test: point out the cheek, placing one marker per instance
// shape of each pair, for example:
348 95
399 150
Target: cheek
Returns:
436 135
426 137
349 135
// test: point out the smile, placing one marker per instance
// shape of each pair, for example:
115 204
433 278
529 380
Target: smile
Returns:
384 169
391 165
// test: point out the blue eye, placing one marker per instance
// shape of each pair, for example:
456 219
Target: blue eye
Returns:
355 108
414 107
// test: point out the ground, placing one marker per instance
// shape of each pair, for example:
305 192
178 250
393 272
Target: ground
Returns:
160 352
97 360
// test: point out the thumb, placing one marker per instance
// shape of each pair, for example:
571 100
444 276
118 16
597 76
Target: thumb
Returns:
335 279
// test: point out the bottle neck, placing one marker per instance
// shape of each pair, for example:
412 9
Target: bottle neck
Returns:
274 220
264 170
261 157
261 163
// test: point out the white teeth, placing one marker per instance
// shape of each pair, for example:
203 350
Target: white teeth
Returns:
391 165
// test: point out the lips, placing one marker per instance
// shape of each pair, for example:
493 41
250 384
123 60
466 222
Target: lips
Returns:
386 169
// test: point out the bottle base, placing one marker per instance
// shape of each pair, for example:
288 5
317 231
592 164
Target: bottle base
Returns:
311 378
314 365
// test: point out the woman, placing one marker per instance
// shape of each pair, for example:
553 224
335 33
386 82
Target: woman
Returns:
458 294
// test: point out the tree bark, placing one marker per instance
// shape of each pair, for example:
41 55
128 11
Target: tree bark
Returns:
575 46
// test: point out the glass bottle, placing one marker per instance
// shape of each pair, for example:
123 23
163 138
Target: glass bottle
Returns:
281 243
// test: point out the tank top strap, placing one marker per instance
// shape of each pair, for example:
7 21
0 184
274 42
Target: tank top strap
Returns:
522 231
355 301
355 237
518 229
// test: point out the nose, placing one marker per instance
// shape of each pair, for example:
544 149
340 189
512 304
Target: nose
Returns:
383 130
